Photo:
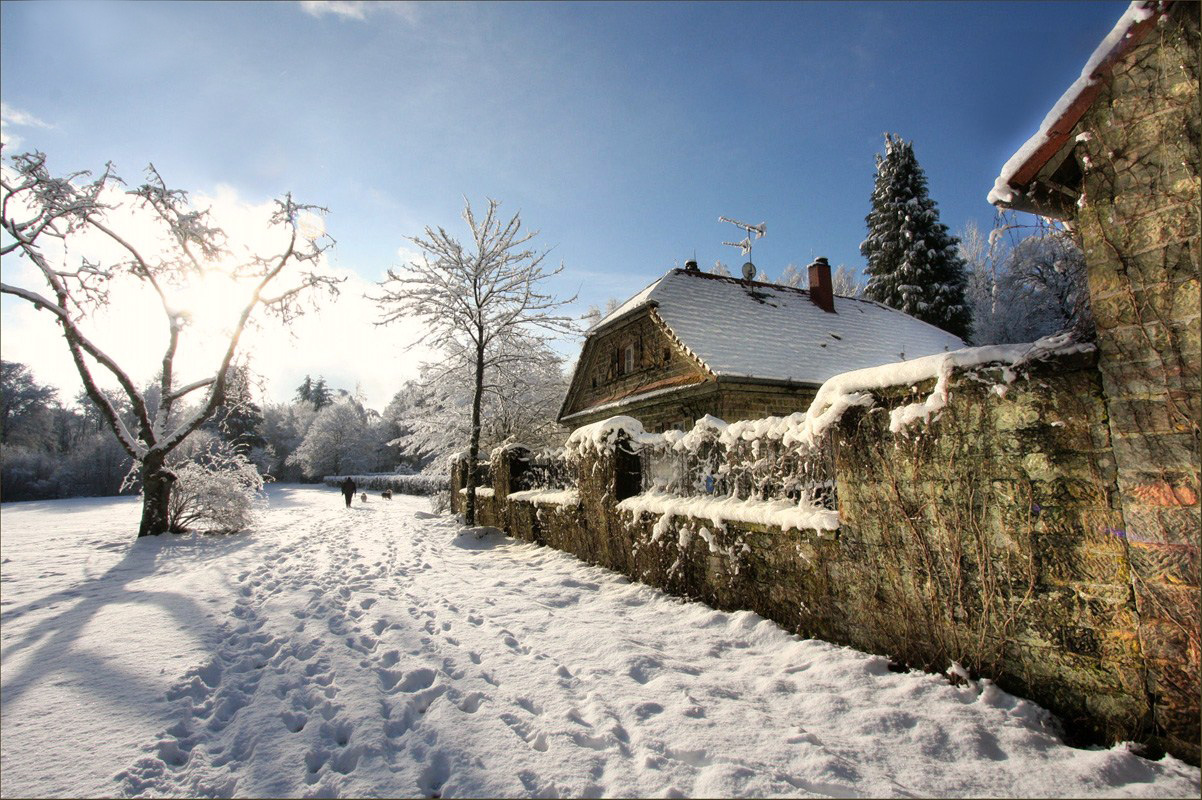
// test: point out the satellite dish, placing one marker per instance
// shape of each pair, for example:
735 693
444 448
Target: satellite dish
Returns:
748 271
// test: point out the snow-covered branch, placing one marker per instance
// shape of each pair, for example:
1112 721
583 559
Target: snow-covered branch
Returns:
107 228
476 303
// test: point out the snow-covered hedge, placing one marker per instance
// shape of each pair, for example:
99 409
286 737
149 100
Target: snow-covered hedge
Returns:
402 484
783 514
547 470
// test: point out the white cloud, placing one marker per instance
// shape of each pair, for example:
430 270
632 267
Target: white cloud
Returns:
358 9
14 117
342 343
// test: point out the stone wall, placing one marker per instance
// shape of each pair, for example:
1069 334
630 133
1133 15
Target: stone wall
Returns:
1138 220
991 537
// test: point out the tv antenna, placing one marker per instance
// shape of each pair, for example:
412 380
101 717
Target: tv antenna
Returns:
745 245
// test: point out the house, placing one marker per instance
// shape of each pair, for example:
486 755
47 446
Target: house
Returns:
693 343
1117 159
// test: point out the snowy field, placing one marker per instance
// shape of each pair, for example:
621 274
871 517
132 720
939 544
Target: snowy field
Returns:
372 652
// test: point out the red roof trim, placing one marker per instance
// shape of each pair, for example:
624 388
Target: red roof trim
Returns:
1061 129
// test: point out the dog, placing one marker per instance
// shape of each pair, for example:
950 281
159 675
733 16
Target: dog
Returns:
363 497
386 494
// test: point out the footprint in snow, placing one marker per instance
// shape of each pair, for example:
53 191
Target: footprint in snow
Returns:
389 678
294 722
522 730
471 703
417 680
434 777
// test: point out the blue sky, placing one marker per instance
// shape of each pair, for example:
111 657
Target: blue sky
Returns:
620 130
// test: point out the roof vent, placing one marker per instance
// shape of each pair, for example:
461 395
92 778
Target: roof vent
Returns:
821 291
691 266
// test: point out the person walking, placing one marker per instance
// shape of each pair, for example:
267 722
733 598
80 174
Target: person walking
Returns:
348 490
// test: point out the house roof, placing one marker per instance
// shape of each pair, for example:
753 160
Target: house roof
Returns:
1022 169
762 331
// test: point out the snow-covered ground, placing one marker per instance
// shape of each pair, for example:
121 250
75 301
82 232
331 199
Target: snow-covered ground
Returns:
372 651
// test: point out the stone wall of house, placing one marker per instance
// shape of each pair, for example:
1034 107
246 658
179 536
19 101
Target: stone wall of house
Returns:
751 401
727 400
658 363
991 536
1138 220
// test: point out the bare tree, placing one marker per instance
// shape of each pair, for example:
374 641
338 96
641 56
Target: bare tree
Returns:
844 283
521 398
1025 281
477 302
42 214
794 276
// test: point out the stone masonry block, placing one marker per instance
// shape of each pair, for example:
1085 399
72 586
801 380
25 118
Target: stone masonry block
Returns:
1152 451
1166 570
1177 526
1142 378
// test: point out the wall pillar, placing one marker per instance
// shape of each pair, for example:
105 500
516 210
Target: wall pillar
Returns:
1139 226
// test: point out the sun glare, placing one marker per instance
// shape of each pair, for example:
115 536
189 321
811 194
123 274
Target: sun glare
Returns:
212 301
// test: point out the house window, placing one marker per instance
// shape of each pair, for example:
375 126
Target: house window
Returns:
628 360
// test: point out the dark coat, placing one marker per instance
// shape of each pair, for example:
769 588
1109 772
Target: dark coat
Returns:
348 487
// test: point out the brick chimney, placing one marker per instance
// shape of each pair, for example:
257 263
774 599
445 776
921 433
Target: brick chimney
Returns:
821 291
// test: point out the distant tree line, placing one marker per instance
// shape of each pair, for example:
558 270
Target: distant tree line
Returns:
50 449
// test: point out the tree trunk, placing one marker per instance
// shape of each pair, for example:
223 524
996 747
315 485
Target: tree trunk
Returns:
156 496
473 450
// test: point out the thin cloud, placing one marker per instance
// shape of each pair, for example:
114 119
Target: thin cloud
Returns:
339 339
357 9
16 118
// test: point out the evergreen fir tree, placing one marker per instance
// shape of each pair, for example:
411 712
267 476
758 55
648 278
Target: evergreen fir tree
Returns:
913 262
238 420
321 395
304 392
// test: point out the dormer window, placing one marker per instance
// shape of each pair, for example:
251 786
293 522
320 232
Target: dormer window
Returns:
628 360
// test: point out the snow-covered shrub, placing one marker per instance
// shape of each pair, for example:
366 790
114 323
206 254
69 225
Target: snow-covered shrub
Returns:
762 465
548 469
602 437
402 484
745 460
218 488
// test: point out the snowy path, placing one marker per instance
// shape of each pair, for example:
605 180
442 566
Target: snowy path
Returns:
372 652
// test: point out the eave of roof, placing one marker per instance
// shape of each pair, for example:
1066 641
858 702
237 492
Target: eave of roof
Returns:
1053 135
623 312
633 398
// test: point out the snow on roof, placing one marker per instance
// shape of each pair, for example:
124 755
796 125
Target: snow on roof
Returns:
637 301
769 332
1059 122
